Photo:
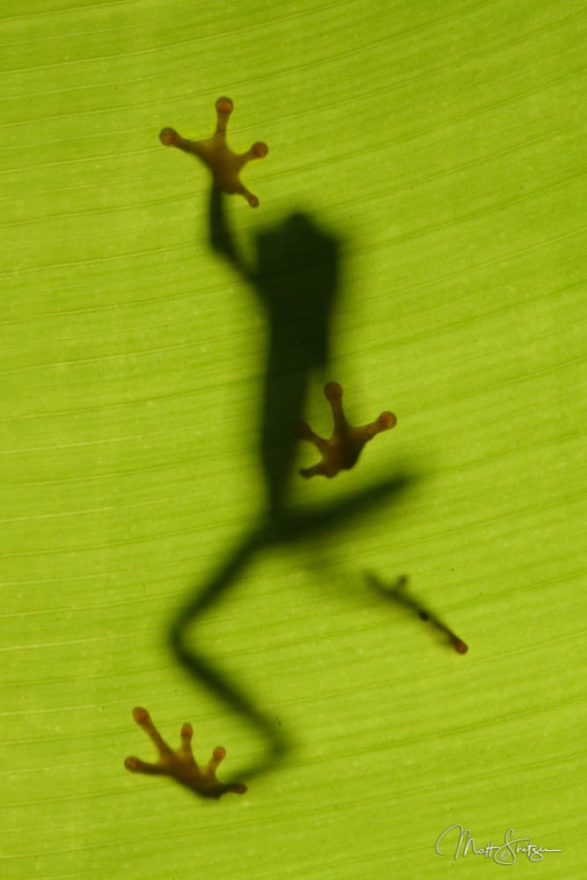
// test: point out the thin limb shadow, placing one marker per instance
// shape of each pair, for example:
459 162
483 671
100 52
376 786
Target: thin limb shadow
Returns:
398 592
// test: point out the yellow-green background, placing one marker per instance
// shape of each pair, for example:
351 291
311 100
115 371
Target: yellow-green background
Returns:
445 143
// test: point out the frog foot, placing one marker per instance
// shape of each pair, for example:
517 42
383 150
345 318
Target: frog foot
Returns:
217 155
342 450
181 764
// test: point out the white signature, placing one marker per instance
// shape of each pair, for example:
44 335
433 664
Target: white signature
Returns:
505 853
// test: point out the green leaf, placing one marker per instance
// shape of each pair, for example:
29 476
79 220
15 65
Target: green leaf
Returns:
443 146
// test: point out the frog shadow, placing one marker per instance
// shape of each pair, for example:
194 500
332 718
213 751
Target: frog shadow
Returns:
296 278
